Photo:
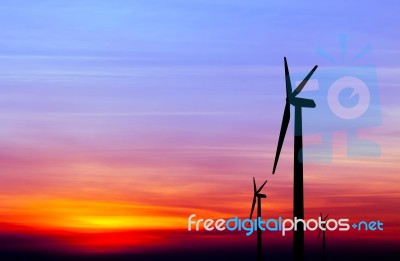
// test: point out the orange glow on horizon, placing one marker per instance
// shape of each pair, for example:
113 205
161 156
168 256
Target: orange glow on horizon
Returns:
76 214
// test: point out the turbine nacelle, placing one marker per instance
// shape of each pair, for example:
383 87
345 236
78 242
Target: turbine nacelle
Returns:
302 102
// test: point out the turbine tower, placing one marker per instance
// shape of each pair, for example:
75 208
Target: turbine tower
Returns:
323 238
298 195
259 196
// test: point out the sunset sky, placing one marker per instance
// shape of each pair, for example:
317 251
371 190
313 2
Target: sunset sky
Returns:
124 117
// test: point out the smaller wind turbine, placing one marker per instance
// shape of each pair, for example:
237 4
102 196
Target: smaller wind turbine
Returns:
259 196
323 237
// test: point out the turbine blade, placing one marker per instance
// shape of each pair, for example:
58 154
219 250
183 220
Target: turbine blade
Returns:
284 126
326 217
254 187
319 233
302 102
303 83
258 191
252 206
287 79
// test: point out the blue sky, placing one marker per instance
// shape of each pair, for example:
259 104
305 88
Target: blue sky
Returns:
212 58
192 32
201 67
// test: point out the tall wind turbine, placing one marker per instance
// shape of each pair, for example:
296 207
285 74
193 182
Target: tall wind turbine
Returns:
298 197
323 238
259 196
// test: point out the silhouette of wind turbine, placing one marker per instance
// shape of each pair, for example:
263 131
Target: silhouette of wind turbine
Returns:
259 196
323 237
298 197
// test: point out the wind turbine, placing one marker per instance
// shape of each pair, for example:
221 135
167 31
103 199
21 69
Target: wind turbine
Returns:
298 197
259 196
323 238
